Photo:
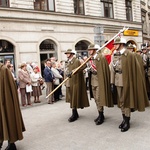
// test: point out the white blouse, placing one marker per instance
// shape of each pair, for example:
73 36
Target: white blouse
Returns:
34 78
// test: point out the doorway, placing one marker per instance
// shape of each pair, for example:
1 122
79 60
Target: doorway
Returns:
47 50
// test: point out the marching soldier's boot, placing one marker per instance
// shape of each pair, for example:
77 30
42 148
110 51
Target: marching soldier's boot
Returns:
100 119
74 116
122 124
95 120
76 113
11 146
1 143
126 125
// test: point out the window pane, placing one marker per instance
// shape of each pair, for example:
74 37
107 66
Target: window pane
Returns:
129 10
4 3
37 5
75 6
108 10
51 5
111 10
78 6
40 5
81 7
44 5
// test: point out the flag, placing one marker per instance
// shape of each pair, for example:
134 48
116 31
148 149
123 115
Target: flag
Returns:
108 51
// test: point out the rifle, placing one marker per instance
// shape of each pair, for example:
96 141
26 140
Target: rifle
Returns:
122 30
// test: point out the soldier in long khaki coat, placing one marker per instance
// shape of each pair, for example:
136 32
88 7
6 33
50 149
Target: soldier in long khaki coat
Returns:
76 93
11 122
127 76
99 79
148 71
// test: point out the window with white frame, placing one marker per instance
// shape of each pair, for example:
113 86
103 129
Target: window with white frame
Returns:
79 7
129 10
4 3
108 8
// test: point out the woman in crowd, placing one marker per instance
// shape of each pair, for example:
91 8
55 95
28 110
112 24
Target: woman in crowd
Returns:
24 80
36 81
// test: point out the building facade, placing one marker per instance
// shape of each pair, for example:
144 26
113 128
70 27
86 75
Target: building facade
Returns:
145 12
33 30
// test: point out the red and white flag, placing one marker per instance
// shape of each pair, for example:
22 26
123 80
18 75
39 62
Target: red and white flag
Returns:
108 50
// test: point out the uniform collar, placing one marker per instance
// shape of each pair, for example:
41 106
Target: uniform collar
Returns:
70 59
121 51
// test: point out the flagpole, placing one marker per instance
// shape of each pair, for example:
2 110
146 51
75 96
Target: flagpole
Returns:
122 30
71 75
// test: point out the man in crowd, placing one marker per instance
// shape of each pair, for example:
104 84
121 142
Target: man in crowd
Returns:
49 78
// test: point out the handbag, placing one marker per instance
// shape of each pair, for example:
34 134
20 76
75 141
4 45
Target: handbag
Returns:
41 82
28 88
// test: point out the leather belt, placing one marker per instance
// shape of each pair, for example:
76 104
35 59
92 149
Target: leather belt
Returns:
94 73
117 71
117 54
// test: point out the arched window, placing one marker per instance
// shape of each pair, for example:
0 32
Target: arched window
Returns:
6 52
6 47
81 47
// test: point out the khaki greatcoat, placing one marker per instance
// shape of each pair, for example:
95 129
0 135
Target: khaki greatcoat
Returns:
134 87
11 122
76 94
103 74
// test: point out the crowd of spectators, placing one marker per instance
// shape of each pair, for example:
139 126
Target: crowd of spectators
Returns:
30 82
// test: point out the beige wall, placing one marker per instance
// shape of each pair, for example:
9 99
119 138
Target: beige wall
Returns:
28 28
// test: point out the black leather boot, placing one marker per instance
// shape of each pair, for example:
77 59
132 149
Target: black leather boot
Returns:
74 116
122 123
100 119
95 120
126 125
76 113
1 145
11 146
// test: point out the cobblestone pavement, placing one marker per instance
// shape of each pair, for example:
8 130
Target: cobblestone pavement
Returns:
47 128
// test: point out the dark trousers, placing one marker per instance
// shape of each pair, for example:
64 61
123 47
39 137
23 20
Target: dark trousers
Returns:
24 94
57 92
